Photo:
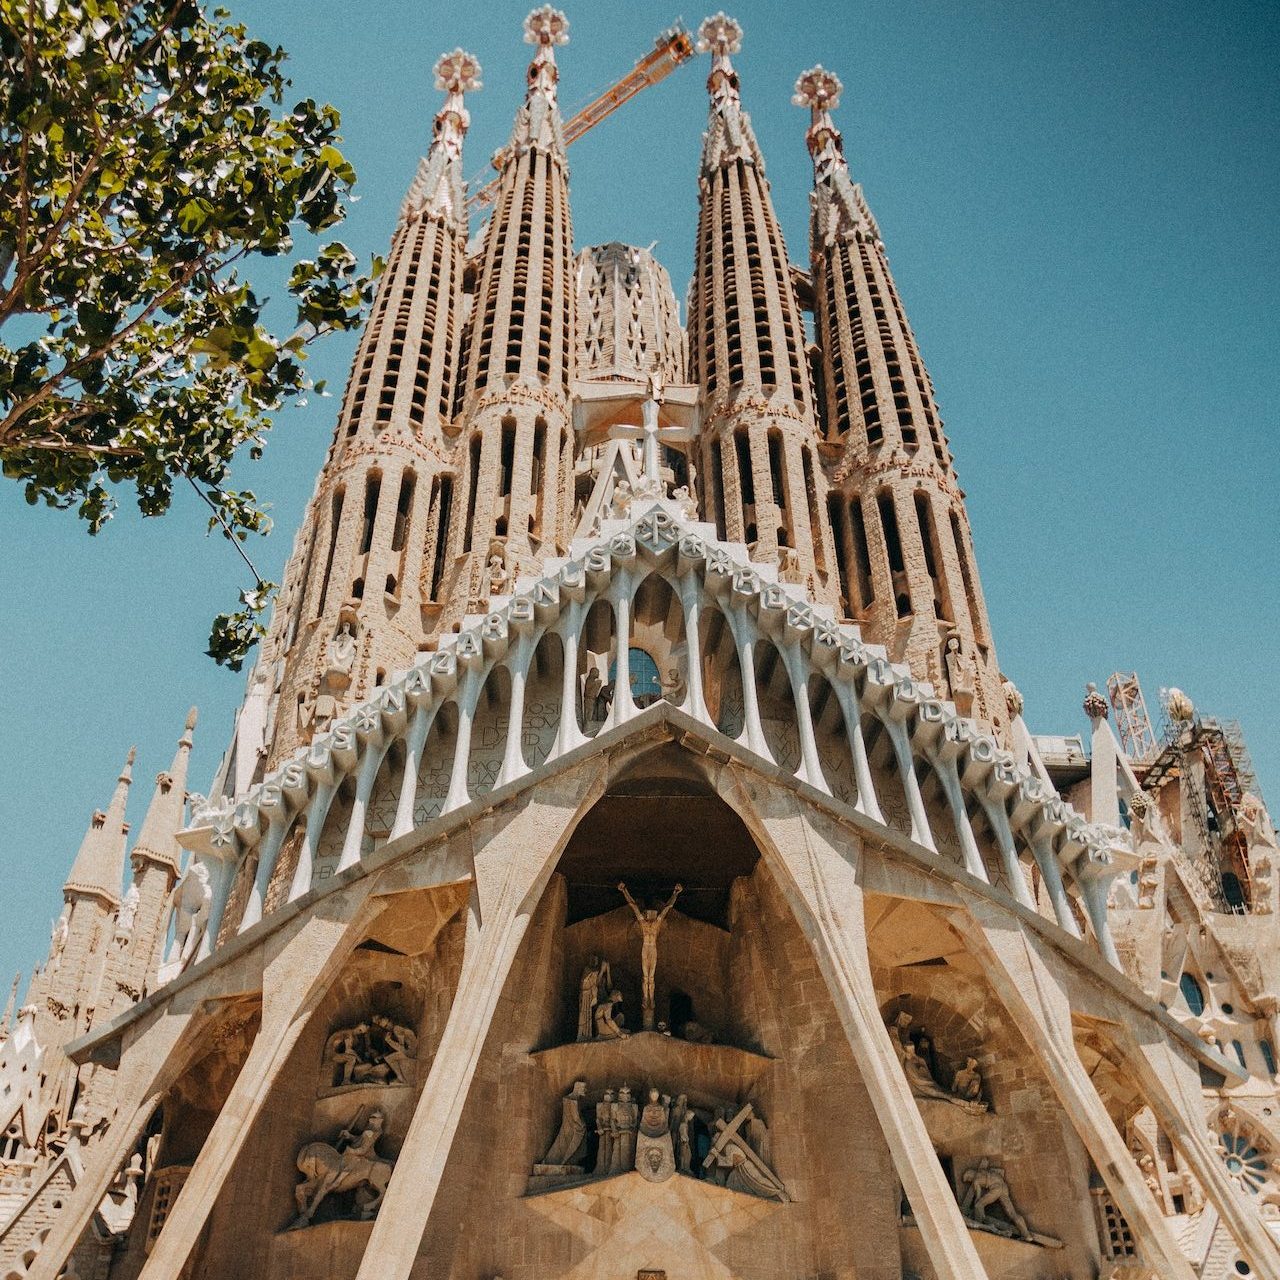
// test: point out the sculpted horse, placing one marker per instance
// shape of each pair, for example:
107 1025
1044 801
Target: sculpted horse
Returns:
354 1165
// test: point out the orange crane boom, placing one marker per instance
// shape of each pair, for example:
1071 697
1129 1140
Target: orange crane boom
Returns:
672 47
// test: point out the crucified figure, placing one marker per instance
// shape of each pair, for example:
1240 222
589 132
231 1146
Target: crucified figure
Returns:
650 923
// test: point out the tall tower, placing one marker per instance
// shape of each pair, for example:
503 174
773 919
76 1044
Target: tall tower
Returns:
81 941
762 484
516 456
903 548
363 587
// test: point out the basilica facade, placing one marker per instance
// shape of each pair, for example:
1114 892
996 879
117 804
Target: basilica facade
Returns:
630 860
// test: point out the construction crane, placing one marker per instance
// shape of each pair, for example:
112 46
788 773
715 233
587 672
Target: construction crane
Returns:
672 47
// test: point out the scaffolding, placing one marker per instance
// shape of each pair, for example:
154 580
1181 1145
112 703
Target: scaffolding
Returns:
1212 796
1137 737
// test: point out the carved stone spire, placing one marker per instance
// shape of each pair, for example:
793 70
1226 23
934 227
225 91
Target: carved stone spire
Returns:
99 866
538 125
729 135
903 548
838 206
759 473
164 814
438 189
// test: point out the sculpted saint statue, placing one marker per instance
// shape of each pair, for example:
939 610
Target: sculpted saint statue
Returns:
626 1118
650 923
189 905
986 1188
655 1154
595 978
609 1024
604 1130
573 1130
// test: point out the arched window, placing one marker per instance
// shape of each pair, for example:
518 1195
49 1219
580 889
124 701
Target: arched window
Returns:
1192 994
646 686
1268 1056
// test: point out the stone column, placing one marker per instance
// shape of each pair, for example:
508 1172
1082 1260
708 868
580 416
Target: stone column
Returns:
153 1057
295 978
1023 981
821 883
514 858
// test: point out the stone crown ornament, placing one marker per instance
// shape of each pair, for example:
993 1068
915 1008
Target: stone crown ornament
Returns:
818 89
720 34
546 26
457 72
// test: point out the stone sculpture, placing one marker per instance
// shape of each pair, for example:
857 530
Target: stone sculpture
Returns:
682 1133
379 1051
609 1024
57 942
655 1153
986 1188
351 1164
125 916
624 1120
966 1084
571 1138
620 502
497 575
189 905
595 978
736 1166
604 1131
340 657
920 1077
650 922
400 1048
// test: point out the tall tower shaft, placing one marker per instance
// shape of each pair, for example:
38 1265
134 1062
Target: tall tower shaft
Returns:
762 484
903 548
515 459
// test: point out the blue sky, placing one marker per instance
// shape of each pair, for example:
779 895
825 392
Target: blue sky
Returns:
1079 206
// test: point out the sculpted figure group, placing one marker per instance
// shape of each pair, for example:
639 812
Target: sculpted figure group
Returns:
379 1051
352 1163
724 1144
966 1083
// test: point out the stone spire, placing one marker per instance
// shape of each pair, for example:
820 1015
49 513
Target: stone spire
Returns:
360 590
438 189
155 840
516 452
99 866
760 480
903 548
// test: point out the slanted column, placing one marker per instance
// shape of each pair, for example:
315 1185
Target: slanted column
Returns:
810 770
623 708
513 860
1051 874
468 696
513 763
691 605
414 741
851 708
998 816
1023 979
268 853
901 741
1170 1083
817 869
569 628
302 963
375 745
317 812
945 767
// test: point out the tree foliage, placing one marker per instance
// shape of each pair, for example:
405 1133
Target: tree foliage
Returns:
145 156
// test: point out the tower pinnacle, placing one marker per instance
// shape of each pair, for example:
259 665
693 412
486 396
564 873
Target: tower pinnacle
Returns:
538 123
99 866
437 188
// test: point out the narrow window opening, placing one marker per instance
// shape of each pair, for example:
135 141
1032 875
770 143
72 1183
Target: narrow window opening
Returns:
404 506
444 508
862 552
372 489
835 512
716 480
746 478
469 527
335 519
508 456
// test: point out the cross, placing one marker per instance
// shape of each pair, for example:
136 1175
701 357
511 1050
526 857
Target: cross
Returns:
651 434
